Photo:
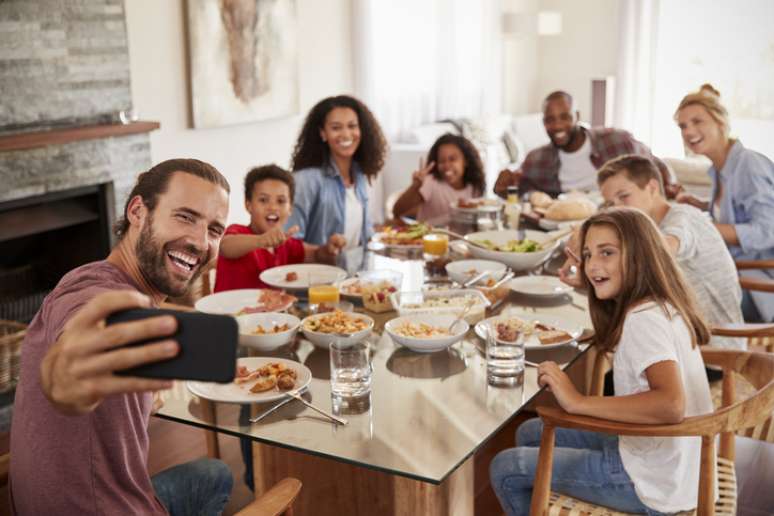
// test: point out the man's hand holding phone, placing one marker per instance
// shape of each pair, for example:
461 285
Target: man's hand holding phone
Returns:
77 373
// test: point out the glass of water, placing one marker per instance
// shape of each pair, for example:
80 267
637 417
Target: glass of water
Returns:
504 360
350 369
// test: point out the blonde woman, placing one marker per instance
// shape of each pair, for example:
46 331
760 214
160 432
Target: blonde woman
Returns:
742 203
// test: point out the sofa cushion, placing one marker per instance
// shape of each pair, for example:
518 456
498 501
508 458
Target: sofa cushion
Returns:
427 134
691 171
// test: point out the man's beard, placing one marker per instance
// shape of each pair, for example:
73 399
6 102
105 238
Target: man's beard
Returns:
152 258
574 133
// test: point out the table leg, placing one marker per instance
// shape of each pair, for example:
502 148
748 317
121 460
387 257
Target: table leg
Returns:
210 436
334 488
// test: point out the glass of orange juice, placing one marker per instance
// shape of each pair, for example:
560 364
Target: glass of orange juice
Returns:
436 253
322 291
435 244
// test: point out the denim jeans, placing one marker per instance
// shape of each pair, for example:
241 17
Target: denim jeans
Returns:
201 487
586 466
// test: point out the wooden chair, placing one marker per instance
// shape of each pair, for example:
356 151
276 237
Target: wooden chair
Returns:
760 285
277 500
756 367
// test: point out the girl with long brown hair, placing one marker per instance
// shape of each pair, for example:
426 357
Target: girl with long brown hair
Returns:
644 313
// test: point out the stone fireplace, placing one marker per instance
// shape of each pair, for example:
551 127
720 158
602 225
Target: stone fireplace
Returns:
66 162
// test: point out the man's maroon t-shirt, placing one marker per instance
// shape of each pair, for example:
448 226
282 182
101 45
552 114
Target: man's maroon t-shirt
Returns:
96 463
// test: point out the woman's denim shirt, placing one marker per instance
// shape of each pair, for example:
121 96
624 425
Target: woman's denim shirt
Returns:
319 204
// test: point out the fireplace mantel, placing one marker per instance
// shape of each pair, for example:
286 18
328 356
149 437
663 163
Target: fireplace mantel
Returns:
31 140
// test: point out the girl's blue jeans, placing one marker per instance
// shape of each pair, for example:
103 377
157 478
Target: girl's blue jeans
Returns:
586 465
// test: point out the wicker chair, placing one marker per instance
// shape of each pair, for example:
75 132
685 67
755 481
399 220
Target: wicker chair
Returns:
755 367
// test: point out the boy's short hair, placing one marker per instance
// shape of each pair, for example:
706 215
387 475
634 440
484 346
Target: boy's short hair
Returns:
258 174
638 169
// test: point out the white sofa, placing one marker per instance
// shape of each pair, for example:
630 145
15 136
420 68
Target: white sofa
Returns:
524 133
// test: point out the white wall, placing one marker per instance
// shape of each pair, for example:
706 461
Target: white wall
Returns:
586 49
160 90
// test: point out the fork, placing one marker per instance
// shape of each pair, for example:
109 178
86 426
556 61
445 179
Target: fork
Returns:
339 420
270 410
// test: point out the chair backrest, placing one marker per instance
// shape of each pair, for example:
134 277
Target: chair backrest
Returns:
756 410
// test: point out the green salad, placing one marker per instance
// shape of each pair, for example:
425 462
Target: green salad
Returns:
512 246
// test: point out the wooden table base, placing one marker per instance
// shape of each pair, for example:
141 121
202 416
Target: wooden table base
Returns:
335 488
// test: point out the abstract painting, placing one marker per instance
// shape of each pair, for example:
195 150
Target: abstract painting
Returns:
244 60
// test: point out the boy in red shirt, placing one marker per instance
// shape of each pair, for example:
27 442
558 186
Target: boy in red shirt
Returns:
246 251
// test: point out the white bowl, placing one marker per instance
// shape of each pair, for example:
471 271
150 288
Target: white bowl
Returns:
323 340
269 341
430 344
516 261
459 271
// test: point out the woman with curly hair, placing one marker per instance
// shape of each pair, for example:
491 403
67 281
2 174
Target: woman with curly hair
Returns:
454 171
742 204
340 148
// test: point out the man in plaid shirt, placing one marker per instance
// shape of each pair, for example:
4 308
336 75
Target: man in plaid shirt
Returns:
575 153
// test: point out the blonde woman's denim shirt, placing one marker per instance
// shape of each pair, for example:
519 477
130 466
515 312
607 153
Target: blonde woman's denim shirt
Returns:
747 202
319 203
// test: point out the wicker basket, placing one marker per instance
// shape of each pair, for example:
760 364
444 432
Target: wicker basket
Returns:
11 337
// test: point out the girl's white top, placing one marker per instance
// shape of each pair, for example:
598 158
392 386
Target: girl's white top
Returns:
665 470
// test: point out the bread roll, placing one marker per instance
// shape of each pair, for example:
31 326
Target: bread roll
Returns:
540 199
571 209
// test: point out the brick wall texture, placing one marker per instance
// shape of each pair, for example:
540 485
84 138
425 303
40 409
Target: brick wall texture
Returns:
62 60
66 62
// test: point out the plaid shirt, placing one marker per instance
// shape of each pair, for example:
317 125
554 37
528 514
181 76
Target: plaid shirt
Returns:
541 166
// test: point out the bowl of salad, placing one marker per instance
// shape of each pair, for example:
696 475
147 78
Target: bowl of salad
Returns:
519 252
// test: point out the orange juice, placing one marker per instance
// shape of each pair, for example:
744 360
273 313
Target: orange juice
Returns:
435 244
319 294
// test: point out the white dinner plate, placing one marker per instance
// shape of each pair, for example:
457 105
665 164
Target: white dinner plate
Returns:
275 276
240 393
541 286
230 302
532 341
377 238
486 205
551 224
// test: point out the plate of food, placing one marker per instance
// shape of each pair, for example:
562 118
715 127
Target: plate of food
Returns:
408 236
267 331
511 248
258 380
541 286
477 205
426 333
345 327
245 301
540 331
297 277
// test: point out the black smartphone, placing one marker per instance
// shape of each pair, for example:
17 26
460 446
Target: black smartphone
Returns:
208 346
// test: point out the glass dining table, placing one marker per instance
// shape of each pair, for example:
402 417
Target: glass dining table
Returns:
408 447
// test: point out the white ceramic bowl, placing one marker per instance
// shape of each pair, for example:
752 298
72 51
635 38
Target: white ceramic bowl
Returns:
516 261
323 340
458 271
269 341
430 344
